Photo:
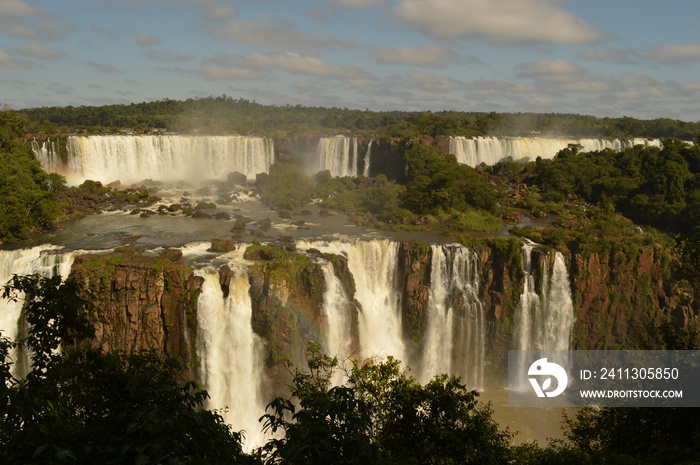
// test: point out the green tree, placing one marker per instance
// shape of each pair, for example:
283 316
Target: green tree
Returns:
381 415
29 195
84 406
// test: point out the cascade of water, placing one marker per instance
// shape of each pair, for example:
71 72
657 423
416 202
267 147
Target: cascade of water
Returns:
374 266
230 352
167 158
336 307
337 316
543 322
553 331
368 156
47 153
455 338
491 150
338 155
437 353
45 260
529 303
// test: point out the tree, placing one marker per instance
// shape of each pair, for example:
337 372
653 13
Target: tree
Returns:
84 406
29 194
381 415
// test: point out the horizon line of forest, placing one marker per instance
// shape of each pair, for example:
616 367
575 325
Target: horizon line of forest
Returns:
225 114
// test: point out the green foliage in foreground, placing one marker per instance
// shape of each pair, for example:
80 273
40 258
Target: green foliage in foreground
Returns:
84 406
380 415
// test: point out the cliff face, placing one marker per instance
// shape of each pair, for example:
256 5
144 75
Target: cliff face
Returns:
621 298
143 302
414 276
287 292
146 301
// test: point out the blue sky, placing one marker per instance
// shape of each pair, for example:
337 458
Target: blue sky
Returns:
603 58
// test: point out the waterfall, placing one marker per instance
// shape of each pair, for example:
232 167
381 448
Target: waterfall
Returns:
230 352
336 309
338 320
338 155
45 260
48 154
544 322
166 158
491 150
455 338
374 266
368 155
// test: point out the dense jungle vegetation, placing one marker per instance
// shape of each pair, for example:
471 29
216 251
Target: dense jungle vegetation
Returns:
225 114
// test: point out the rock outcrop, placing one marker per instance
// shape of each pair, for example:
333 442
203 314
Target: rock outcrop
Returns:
142 301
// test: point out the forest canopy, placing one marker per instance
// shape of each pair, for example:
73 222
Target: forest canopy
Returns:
225 114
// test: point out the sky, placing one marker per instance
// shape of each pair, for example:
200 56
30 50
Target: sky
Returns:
594 57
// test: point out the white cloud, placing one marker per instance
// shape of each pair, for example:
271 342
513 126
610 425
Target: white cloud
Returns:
12 19
58 88
359 3
552 70
146 40
614 55
211 9
435 82
670 53
21 20
309 65
275 34
491 88
105 68
502 22
168 56
563 76
212 73
41 51
8 61
428 55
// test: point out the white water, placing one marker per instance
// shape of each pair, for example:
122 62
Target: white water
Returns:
336 310
455 340
47 153
368 158
374 265
230 352
45 260
338 155
338 320
544 322
165 158
491 150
